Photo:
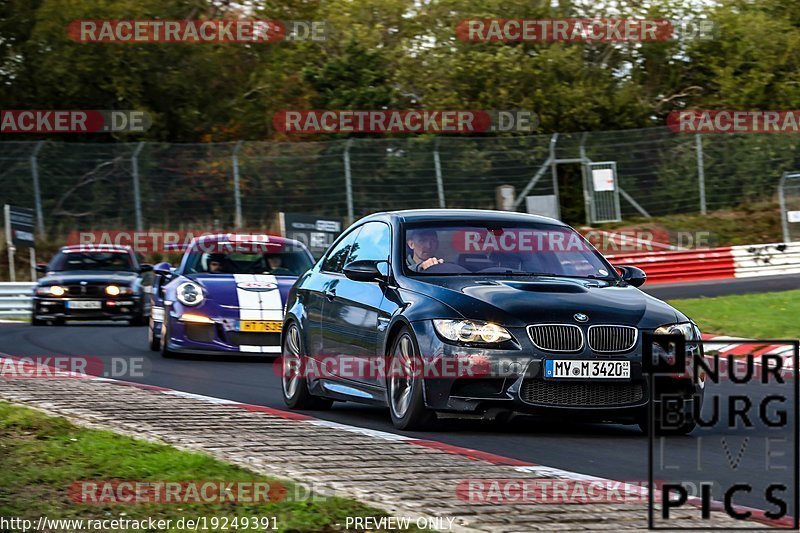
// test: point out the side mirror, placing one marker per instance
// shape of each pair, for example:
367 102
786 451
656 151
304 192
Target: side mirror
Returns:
367 270
144 267
633 275
41 268
163 269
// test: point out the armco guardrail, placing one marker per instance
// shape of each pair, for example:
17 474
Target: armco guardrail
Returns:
715 263
15 299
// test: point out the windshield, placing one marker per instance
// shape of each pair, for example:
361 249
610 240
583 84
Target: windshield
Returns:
507 249
102 261
285 263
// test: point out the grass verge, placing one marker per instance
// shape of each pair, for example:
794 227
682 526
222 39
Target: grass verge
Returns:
41 456
769 315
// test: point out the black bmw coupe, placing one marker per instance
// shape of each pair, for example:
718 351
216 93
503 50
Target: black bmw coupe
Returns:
102 282
476 314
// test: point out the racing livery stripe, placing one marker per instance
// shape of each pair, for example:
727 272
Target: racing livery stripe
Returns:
259 305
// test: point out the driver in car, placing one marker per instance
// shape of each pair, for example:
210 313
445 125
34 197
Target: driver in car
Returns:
215 263
423 244
276 267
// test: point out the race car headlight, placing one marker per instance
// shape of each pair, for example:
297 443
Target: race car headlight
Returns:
689 331
190 294
471 331
114 290
53 290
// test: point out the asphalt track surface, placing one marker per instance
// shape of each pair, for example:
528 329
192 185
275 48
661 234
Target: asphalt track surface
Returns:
617 452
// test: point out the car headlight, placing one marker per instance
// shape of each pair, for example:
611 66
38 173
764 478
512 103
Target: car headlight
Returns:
52 290
190 294
689 331
471 331
115 290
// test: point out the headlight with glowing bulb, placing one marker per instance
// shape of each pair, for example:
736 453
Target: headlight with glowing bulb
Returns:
471 331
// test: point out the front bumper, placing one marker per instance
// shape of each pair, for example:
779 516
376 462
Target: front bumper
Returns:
123 308
516 383
222 336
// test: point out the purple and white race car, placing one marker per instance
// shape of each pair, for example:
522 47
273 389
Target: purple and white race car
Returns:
226 296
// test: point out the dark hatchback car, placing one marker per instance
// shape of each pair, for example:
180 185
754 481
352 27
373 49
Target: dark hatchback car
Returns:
96 283
476 314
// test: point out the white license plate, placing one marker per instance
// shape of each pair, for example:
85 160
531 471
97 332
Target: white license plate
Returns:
85 305
582 369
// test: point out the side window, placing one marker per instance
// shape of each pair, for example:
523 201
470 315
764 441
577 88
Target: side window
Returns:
373 243
334 261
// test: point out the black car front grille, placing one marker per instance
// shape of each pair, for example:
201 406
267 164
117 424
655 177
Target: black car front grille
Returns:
92 289
612 339
246 338
556 337
565 393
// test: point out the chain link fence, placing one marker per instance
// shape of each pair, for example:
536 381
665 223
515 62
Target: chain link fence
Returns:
245 184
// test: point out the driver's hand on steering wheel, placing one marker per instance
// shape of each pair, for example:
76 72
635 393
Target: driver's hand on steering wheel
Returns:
430 262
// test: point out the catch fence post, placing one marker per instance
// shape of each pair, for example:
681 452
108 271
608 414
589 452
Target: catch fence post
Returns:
437 165
348 182
237 196
701 173
37 193
137 193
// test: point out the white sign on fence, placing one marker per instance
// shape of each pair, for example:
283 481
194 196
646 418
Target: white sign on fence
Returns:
793 216
603 179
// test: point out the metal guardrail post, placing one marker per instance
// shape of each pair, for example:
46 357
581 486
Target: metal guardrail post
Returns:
37 193
348 182
237 195
701 174
137 195
437 165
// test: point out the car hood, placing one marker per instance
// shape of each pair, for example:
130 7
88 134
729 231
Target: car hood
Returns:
516 303
89 276
251 291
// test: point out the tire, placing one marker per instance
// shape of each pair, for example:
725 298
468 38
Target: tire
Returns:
59 322
295 388
404 391
155 342
37 321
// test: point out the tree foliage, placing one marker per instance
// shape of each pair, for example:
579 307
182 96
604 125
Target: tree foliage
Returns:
397 54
